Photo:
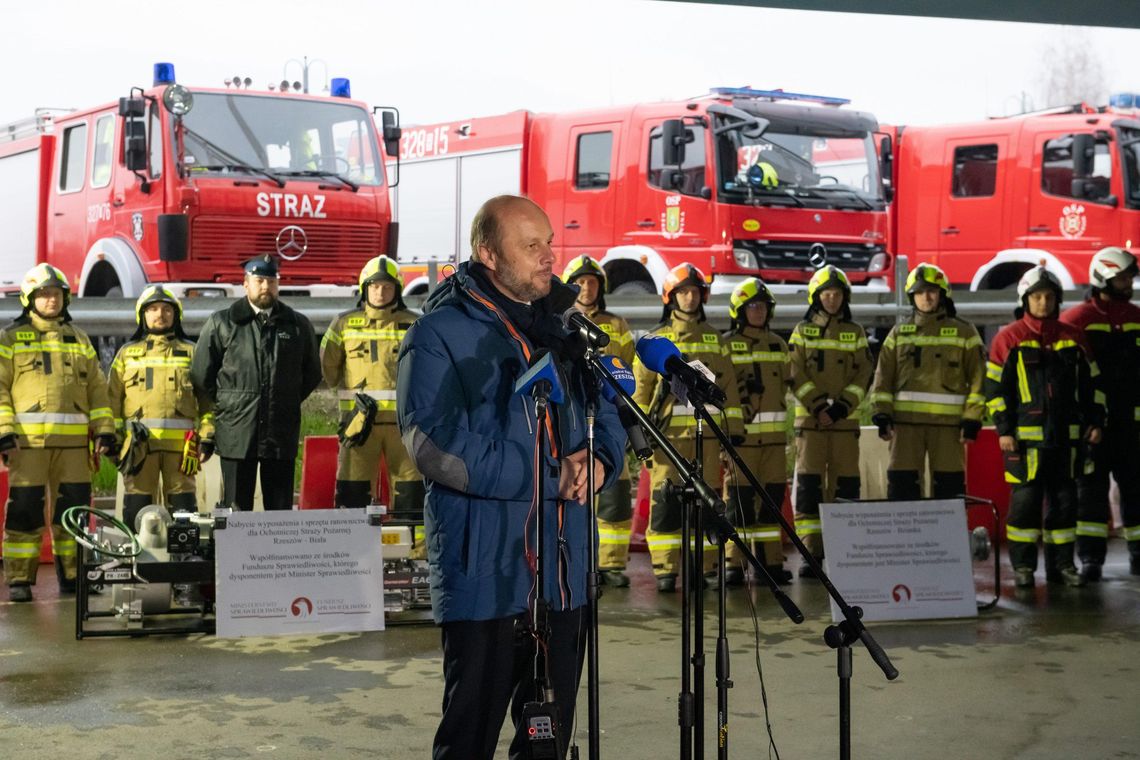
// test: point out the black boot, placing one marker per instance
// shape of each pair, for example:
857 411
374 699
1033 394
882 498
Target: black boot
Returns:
779 574
20 592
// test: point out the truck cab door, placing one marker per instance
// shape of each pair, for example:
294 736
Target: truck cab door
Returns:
676 221
591 192
1059 221
972 206
68 212
135 210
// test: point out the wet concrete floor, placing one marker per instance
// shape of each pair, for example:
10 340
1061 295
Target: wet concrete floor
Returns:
1052 673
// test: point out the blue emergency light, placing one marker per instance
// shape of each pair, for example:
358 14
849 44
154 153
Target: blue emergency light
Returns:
340 88
1124 100
163 73
748 92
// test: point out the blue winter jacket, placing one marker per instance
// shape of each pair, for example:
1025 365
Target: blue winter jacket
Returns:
473 439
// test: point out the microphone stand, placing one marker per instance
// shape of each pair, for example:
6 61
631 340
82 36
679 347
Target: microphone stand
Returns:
593 577
712 510
540 611
839 636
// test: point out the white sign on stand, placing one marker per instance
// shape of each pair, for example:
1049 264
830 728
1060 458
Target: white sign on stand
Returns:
304 571
900 560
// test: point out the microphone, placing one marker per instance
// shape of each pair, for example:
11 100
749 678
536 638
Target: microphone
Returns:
663 357
624 376
576 321
543 379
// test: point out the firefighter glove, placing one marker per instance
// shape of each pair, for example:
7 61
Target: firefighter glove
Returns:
108 443
970 429
356 427
837 411
884 422
205 449
134 450
736 440
190 463
8 442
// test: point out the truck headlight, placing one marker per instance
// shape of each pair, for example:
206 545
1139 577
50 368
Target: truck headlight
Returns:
877 263
744 258
177 99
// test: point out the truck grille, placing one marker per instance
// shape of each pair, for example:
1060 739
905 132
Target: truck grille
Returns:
336 250
797 255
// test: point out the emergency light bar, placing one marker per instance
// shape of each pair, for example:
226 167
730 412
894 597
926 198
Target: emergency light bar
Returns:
163 73
748 92
339 87
1124 100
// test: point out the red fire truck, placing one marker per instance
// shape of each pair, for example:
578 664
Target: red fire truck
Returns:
180 186
988 200
763 182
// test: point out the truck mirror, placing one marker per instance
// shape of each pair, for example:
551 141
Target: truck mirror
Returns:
132 107
135 154
886 167
672 179
392 133
673 142
1084 151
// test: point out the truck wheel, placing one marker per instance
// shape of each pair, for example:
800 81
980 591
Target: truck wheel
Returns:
634 287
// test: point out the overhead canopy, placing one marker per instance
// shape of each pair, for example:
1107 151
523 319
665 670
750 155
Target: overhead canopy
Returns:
1112 13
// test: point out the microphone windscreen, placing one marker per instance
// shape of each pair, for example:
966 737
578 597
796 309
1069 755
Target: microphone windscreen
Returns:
623 374
544 367
655 350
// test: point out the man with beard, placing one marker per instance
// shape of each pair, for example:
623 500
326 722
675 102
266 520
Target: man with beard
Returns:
256 362
156 409
476 442
685 292
615 505
1111 324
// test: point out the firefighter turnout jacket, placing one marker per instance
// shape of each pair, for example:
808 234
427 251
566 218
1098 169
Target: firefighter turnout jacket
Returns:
831 363
149 382
52 390
763 372
358 355
1042 388
930 372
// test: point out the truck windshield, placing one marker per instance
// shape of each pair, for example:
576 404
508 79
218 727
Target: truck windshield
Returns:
286 137
1130 152
799 169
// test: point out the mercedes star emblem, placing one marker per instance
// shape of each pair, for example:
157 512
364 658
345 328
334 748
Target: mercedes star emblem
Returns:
292 242
817 255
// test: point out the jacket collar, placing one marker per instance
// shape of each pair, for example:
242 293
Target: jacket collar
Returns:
241 312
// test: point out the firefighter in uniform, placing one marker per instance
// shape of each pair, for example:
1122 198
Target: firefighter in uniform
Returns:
683 321
927 396
615 505
54 414
358 359
1041 390
156 409
1111 323
763 372
831 369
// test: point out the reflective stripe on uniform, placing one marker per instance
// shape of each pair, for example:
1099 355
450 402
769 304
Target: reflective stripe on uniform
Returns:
938 340
996 404
156 361
882 397
855 391
929 403
808 526
1131 533
1031 433
1023 380
771 356
827 344
386 399
804 389
1064 536
993 371
16 549
1094 529
1022 535
613 537
54 347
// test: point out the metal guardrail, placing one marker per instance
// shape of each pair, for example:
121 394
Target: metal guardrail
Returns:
116 316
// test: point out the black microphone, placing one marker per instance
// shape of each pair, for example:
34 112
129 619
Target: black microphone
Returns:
576 321
618 371
663 357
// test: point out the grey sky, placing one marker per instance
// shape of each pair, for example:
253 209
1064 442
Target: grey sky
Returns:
444 60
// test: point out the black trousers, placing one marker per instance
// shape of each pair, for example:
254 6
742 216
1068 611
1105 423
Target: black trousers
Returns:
238 480
488 664
1116 454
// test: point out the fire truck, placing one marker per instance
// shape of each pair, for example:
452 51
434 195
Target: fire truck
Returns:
180 186
740 182
988 200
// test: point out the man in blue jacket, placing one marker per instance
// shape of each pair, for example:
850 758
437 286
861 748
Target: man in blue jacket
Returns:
474 440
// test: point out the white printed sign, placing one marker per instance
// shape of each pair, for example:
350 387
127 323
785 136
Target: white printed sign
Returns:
305 571
900 560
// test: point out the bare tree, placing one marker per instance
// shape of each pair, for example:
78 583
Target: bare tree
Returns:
1071 70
